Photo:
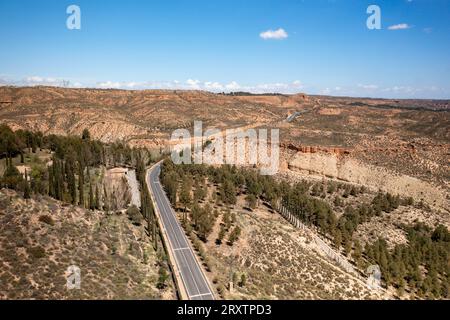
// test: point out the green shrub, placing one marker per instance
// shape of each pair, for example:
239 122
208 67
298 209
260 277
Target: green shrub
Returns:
134 214
36 252
47 220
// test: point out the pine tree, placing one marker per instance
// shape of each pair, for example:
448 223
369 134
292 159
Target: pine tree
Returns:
401 287
357 254
243 281
234 235
162 279
185 195
347 246
221 235
86 135
228 192
227 219
251 201
338 238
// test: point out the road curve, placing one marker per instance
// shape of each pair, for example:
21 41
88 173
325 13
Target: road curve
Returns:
193 279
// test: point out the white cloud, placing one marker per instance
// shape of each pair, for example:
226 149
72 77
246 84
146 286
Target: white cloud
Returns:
401 26
274 34
213 86
326 91
132 85
401 89
110 85
232 86
359 90
193 84
368 86
43 81
77 85
297 84
34 79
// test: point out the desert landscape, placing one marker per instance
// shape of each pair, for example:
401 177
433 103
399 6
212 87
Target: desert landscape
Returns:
343 155
403 144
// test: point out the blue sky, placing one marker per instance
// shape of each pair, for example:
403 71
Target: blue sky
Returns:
323 47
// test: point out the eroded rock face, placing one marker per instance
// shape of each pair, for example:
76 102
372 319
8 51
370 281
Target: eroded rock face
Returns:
346 168
314 149
144 118
345 138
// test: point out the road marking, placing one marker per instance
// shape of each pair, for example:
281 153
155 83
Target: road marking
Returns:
169 219
201 295
168 212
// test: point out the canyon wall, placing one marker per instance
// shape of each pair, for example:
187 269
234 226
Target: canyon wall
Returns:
346 168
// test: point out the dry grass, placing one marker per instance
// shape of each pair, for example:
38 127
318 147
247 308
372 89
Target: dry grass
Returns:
279 262
39 240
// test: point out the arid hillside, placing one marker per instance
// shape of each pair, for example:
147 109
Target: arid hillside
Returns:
41 238
134 116
345 150
142 115
350 139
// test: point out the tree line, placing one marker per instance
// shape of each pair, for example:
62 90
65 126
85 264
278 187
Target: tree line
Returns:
68 176
421 266
306 202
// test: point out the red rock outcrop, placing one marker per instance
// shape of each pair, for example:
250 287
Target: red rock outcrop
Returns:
315 149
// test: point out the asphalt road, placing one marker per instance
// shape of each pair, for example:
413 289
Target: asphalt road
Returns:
194 280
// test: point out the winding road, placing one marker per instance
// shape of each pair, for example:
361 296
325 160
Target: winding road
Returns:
187 268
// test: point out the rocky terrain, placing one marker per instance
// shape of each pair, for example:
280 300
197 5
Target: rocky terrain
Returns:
278 262
397 146
140 117
40 238
400 146
407 136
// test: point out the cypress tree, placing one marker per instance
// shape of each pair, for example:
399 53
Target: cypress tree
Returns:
61 186
81 186
55 178
105 200
91 198
51 186
72 184
97 198
59 180
26 194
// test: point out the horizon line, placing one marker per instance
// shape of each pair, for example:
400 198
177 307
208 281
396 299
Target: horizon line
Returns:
229 93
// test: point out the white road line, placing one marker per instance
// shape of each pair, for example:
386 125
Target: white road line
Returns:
181 249
171 216
176 238
200 295
168 237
